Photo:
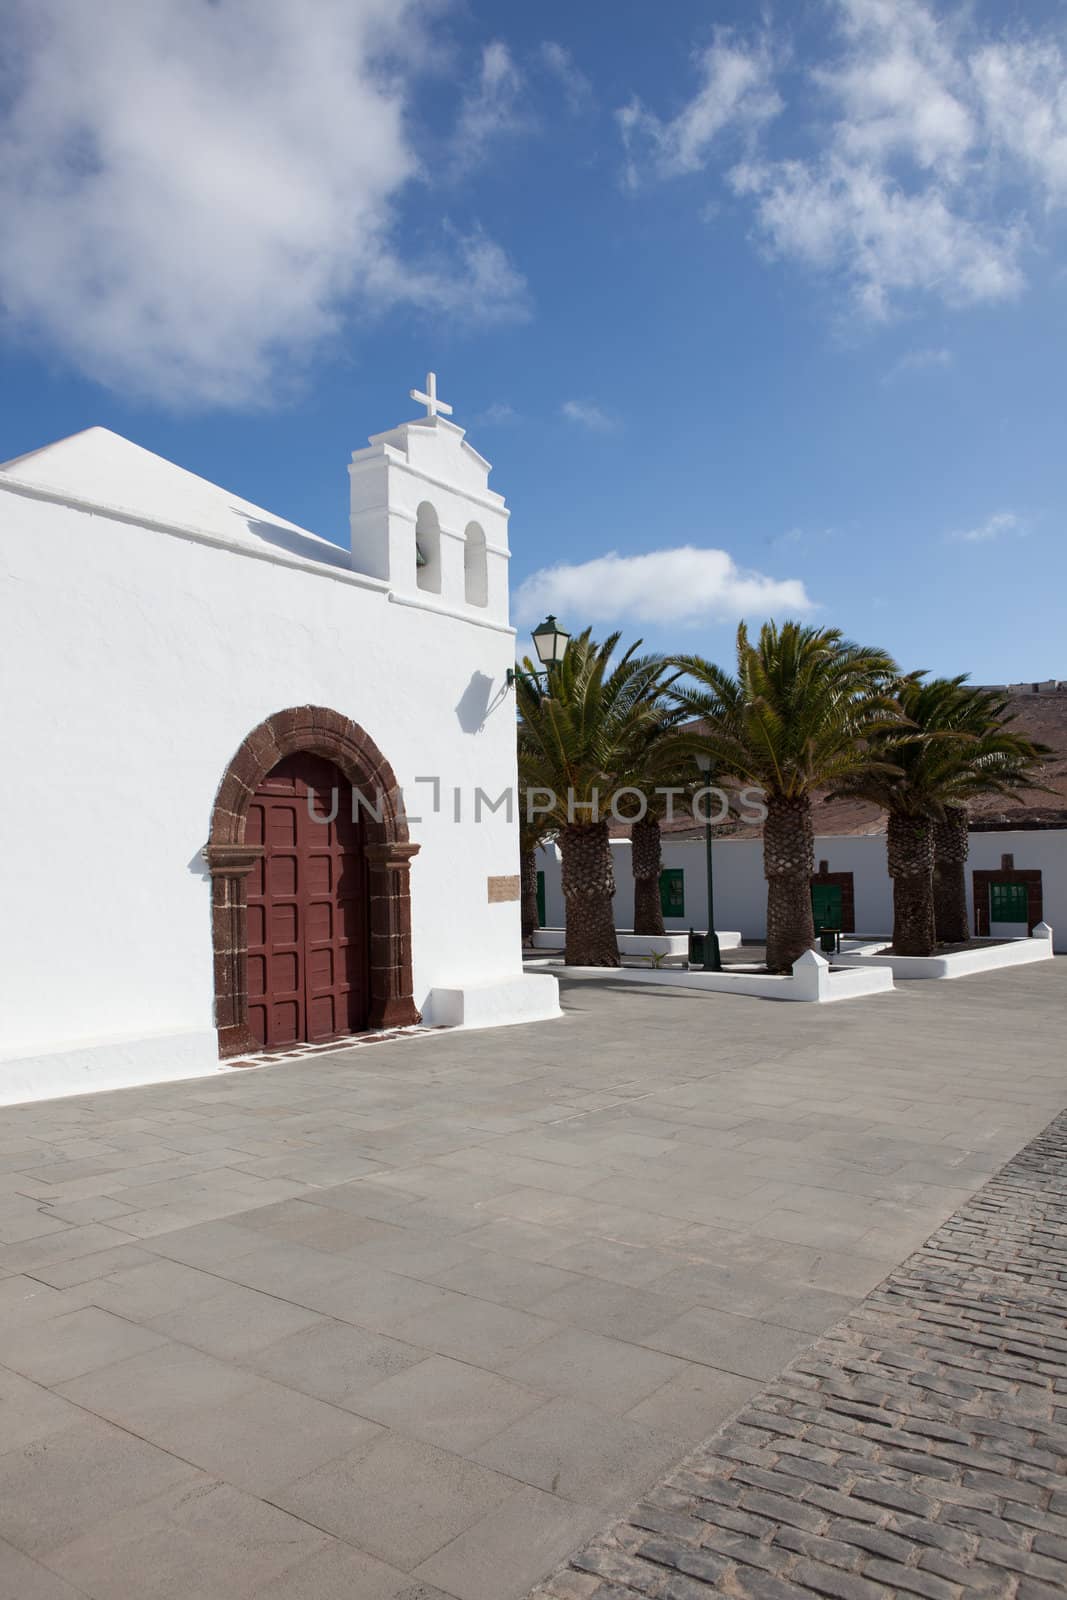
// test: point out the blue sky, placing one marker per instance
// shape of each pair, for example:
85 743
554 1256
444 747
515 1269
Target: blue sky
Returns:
755 311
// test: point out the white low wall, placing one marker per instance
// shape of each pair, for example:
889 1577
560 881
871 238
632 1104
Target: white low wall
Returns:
637 944
533 997
812 980
953 964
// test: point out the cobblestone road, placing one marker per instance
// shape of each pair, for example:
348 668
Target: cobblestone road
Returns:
920 1448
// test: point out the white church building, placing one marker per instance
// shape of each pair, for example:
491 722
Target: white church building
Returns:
254 780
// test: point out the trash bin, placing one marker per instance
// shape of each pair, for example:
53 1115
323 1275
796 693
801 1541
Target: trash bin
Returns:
696 949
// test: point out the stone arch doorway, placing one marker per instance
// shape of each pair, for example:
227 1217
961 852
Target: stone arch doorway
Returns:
234 852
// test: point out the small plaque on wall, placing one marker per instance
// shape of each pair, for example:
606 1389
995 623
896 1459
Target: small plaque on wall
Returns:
503 889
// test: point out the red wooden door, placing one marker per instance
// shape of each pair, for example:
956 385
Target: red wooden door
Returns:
307 908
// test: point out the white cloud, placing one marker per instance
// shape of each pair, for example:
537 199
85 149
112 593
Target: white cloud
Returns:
994 527
491 108
735 92
899 86
927 359
927 156
577 89
588 415
498 414
686 584
204 189
884 240
481 280
1022 86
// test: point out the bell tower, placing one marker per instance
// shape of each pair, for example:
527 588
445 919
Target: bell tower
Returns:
424 519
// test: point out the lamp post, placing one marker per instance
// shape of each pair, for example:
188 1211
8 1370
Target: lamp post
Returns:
712 956
550 642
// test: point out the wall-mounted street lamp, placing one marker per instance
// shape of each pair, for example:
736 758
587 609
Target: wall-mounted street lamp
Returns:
550 642
712 956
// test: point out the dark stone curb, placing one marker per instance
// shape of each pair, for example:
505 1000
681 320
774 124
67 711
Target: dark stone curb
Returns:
918 1449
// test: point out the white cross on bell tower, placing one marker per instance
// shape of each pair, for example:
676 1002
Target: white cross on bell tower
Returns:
425 521
433 406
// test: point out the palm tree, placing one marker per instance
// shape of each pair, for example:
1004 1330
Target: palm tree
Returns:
582 732
992 759
798 717
666 761
646 859
908 788
954 745
952 842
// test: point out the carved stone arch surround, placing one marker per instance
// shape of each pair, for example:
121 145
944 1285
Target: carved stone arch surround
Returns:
388 852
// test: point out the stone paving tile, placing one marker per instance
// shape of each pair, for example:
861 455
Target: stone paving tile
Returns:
263 1438
233 1322
694 1402
919 1448
448 1403
148 1393
29 1413
57 1488
53 1351
398 1499
574 1449
204 1539
22 1578
499 1557
610 1373
745 1345
341 1572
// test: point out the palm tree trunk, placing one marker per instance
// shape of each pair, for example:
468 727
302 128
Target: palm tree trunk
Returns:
951 844
910 849
646 850
788 863
528 880
588 888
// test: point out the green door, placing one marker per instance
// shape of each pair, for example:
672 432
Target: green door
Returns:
1008 902
540 899
826 905
672 891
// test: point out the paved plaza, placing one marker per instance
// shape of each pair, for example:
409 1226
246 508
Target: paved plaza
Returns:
424 1319
918 1449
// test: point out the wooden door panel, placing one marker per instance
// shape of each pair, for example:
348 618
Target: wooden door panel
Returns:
281 875
323 1021
307 909
285 1023
283 825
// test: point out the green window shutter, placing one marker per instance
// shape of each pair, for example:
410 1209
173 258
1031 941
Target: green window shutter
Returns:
540 898
672 891
826 904
1008 902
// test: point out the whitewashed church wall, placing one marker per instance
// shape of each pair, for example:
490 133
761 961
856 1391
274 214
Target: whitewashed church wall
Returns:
136 663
